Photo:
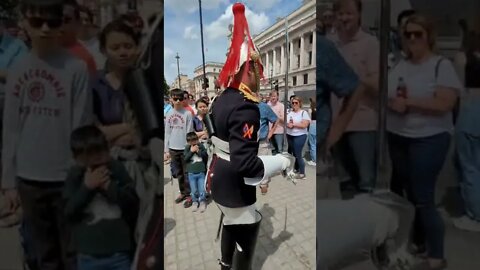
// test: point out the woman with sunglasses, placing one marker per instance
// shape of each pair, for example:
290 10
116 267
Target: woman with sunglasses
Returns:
423 90
297 131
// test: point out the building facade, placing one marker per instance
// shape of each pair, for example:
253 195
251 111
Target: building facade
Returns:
212 70
106 10
301 51
184 84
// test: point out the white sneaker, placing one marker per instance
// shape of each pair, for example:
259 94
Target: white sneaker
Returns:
195 207
467 224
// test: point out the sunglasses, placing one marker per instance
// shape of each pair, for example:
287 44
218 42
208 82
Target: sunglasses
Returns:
37 22
295 102
414 34
178 99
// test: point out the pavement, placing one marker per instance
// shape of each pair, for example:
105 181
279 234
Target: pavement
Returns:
287 232
462 248
10 249
189 237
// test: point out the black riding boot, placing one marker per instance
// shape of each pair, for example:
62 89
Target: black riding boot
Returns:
246 237
227 247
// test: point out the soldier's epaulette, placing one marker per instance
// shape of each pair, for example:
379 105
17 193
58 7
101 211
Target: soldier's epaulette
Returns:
247 93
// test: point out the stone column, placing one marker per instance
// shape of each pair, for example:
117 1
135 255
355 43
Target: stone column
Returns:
291 55
302 51
314 49
267 64
282 59
274 62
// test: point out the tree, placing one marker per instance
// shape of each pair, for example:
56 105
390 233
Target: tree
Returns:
166 87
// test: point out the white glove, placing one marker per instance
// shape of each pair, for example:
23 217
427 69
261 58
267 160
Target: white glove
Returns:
289 163
273 165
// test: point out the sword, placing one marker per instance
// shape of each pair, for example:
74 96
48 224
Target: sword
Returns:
220 224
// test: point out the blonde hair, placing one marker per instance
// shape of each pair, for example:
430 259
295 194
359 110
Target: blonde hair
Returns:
429 28
299 99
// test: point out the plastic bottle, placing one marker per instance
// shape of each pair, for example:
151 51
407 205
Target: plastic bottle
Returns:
402 88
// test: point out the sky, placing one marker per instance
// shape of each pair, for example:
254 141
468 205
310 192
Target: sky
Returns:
182 29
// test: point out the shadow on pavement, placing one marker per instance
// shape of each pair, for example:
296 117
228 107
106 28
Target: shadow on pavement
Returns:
167 181
452 201
267 244
169 225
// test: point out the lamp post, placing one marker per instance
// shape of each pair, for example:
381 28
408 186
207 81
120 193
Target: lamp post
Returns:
203 50
178 70
285 99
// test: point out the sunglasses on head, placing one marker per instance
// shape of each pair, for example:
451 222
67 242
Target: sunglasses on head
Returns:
37 22
414 34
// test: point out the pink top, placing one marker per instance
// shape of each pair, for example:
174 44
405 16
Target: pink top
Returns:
278 110
362 53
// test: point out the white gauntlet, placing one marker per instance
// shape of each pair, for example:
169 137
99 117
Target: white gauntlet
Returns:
272 166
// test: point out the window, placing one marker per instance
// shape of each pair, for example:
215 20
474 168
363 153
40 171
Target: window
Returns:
305 78
311 38
299 43
298 61
214 69
294 78
310 58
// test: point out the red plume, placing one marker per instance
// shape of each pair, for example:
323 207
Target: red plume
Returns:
240 28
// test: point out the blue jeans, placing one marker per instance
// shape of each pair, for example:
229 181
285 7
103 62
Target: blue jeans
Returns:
277 143
467 154
312 140
468 168
295 147
197 186
416 164
118 261
357 154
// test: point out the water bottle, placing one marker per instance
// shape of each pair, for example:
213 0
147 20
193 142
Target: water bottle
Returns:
402 88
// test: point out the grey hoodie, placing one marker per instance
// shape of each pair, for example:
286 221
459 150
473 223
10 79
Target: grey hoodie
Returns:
45 100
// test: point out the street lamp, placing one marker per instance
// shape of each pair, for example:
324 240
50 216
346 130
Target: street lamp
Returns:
178 70
204 86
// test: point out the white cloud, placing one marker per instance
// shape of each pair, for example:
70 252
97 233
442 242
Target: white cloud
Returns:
190 32
167 52
219 28
190 6
262 5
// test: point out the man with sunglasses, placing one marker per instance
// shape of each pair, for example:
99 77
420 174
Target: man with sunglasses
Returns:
71 29
178 122
47 95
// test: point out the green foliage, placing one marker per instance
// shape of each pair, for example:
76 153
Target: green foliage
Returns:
166 87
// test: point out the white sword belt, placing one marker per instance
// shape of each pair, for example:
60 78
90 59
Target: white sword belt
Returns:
221 148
